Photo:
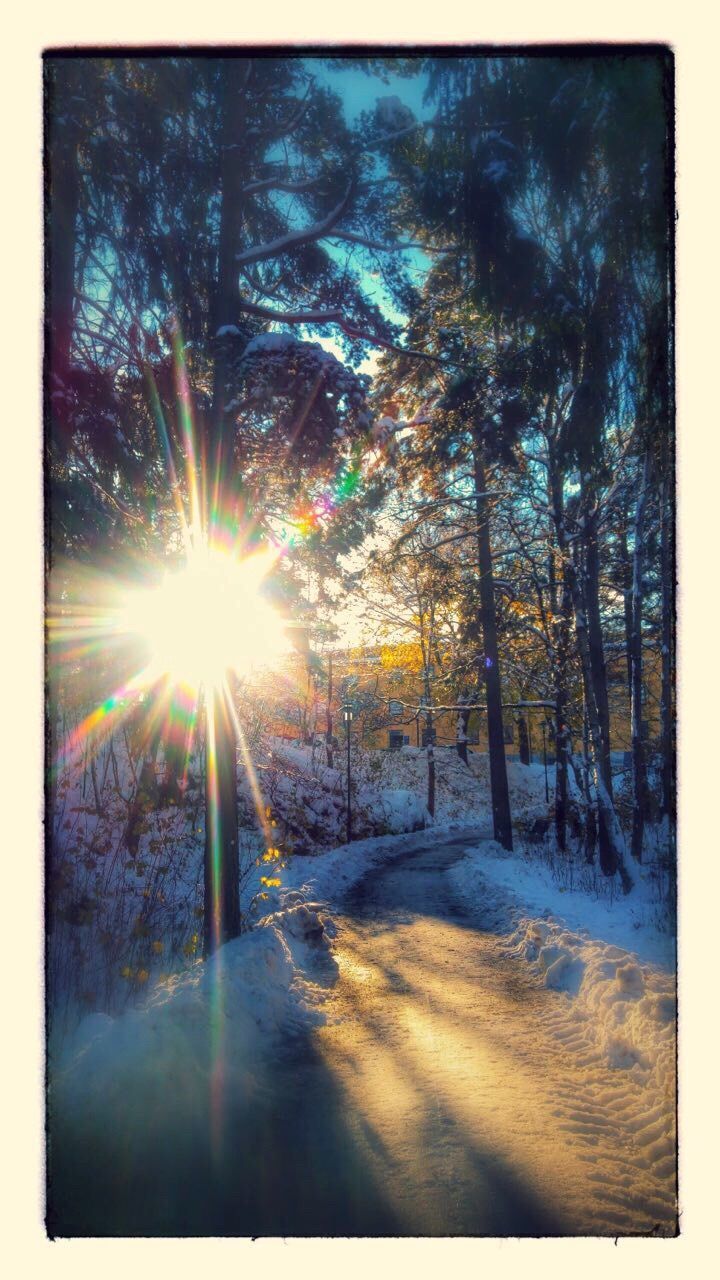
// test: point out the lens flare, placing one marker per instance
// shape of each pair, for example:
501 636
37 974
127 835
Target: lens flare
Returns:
158 659
207 618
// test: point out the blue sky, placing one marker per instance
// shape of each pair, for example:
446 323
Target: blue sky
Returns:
360 91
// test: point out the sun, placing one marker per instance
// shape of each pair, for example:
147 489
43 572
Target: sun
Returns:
207 618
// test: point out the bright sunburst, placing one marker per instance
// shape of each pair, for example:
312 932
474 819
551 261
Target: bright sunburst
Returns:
206 618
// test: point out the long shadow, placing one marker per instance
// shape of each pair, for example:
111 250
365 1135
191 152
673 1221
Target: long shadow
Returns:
485 1195
448 1006
289 1166
293 1160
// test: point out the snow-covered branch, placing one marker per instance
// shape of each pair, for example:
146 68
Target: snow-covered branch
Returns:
316 315
281 184
295 239
383 246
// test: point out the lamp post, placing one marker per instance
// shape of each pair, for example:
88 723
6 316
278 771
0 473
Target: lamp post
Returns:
347 719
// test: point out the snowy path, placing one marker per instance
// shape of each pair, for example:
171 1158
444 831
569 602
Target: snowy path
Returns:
448 1093
477 1100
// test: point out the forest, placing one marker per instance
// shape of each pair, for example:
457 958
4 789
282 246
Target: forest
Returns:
360 543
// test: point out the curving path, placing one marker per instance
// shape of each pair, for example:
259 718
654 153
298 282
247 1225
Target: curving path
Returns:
448 1093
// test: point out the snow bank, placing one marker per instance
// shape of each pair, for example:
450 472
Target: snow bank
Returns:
159 1060
152 1073
617 1017
271 978
401 810
576 894
612 974
630 1005
311 798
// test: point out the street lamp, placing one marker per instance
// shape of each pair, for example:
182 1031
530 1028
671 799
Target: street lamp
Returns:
347 714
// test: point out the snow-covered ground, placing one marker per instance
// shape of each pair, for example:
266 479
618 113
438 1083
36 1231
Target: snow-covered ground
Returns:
399 779
126 882
586 1054
259 979
539 882
610 965
164 1074
187 1039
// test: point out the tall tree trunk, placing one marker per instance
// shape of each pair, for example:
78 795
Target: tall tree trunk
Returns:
561 658
591 593
611 837
640 799
627 580
590 811
502 826
667 699
523 740
430 763
562 734
595 675
461 730
222 866
222 869
430 739
329 725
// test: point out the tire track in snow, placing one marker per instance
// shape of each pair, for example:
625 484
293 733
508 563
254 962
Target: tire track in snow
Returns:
502 1081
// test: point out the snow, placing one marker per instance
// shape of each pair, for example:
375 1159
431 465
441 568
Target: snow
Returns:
264 983
160 1077
600 966
601 1023
610 966
401 810
378 809
578 897
628 1008
294 239
271 342
155 1064
283 343
462 791
583 1060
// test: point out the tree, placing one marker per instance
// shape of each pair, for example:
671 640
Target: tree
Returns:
547 205
188 195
